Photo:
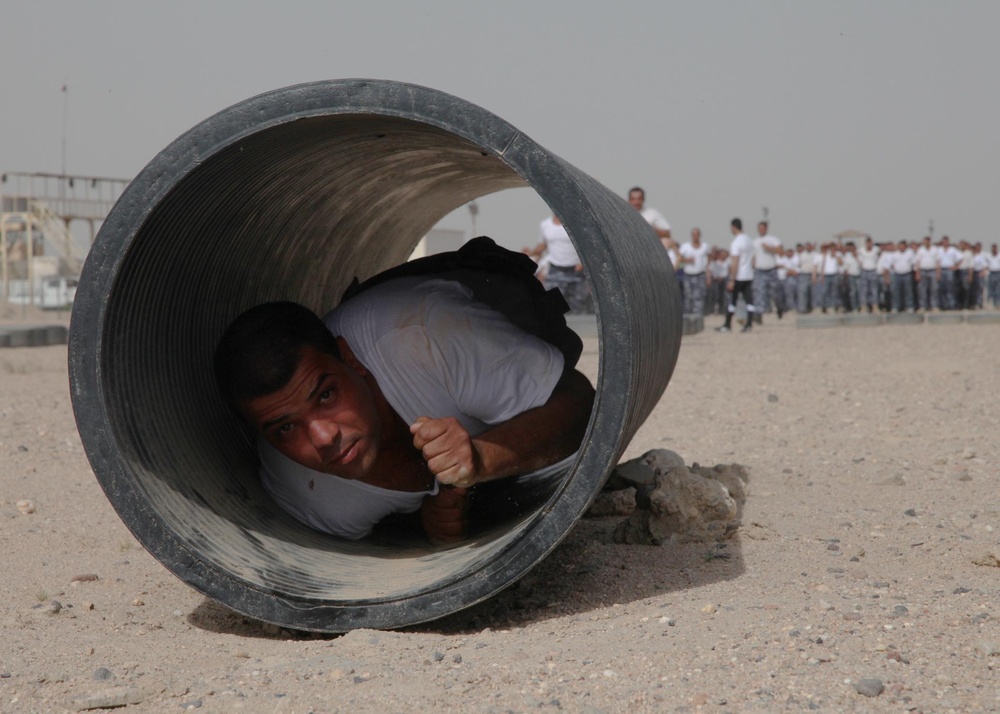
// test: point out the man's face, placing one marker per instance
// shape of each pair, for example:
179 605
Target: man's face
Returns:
902 245
762 229
324 418
695 236
927 242
636 199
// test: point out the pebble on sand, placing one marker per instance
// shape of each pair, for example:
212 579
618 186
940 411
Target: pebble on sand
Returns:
25 506
84 578
869 687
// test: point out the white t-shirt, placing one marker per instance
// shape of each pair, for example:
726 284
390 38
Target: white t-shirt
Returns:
979 262
655 218
719 269
993 262
903 261
558 245
807 261
885 260
830 262
851 265
949 257
868 259
436 352
742 249
765 260
927 258
696 259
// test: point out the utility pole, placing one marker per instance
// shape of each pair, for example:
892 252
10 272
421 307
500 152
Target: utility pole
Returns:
930 228
765 213
473 211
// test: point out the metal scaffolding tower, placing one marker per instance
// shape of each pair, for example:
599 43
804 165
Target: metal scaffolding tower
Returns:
37 213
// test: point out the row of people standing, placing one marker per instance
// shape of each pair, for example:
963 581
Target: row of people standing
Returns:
898 277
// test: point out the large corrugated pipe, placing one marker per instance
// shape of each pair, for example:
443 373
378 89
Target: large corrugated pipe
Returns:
289 195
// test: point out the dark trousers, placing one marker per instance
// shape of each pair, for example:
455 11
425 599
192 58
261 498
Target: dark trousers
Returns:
744 288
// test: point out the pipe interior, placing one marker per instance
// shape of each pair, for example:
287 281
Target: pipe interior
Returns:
292 212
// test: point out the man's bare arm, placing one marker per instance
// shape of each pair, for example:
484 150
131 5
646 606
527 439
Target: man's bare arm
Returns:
526 443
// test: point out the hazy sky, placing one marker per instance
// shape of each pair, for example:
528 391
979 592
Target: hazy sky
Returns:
871 115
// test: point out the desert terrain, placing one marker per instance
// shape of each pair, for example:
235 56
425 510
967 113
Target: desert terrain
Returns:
864 576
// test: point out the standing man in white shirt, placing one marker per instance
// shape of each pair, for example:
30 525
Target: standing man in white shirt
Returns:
718 268
564 270
694 261
903 262
948 260
807 278
928 270
740 280
993 278
979 265
790 284
852 275
637 198
766 249
965 276
868 282
828 266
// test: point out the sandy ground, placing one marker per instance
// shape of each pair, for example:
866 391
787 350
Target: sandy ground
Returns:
873 458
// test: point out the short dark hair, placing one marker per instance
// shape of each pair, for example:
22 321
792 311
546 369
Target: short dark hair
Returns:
261 349
636 188
737 224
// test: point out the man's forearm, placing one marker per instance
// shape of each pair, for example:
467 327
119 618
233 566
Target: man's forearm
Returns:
538 437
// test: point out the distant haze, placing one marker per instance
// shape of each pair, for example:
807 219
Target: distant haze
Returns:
836 115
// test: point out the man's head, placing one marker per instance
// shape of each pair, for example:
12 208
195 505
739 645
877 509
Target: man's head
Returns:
993 249
945 242
927 241
696 236
636 197
868 243
762 228
736 226
902 245
301 389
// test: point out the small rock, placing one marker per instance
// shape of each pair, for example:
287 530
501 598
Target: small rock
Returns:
900 611
438 656
102 673
457 659
909 512
987 559
178 613
85 578
709 609
110 699
964 476
833 546
25 506
960 591
852 616
138 602
241 654
869 687
193 704
772 398
53 608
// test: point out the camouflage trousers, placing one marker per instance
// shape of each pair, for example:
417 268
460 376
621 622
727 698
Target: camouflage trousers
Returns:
767 288
695 291
573 287
868 289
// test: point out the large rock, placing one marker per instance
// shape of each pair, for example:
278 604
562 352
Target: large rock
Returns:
681 504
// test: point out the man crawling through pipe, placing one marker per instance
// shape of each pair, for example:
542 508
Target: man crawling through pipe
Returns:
408 395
